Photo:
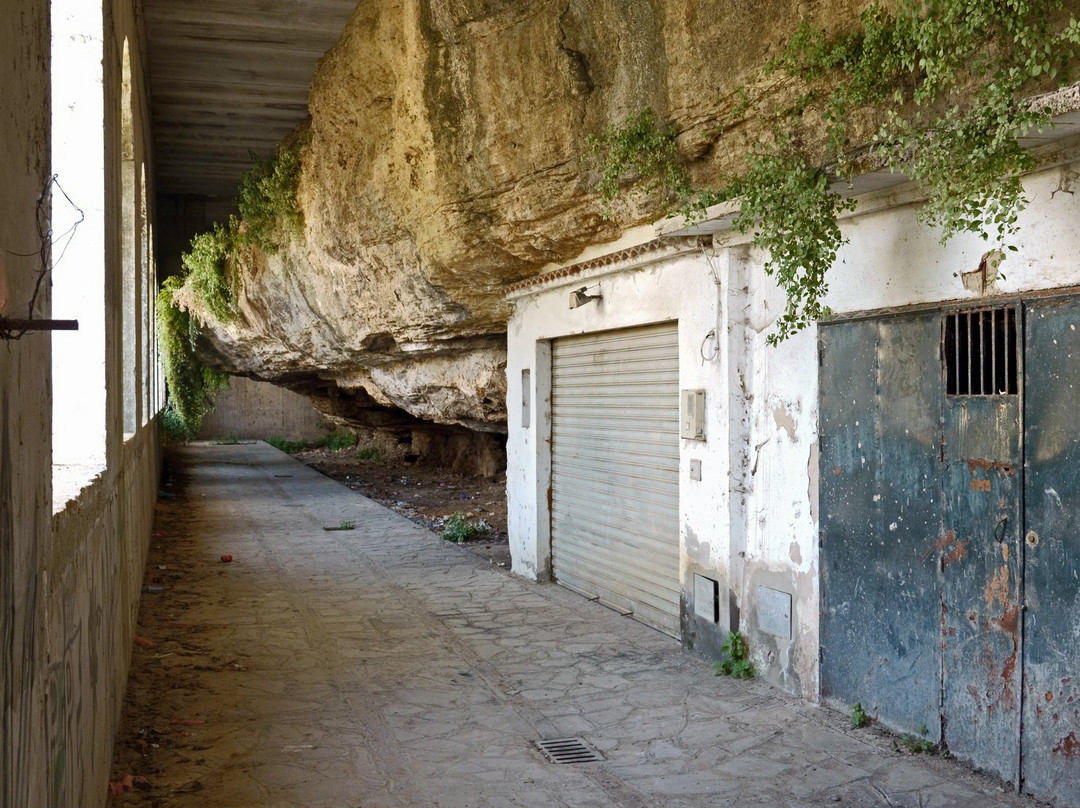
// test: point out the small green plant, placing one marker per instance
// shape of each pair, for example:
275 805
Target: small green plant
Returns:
859 718
171 427
267 199
459 529
369 453
342 439
918 746
735 662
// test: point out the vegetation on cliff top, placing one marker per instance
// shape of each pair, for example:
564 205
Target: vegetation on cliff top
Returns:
944 82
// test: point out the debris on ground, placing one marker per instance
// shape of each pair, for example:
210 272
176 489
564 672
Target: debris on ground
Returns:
428 495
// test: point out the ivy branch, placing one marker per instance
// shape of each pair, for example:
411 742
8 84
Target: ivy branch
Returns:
944 82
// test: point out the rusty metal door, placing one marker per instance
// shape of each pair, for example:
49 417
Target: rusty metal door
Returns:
979 552
1051 549
880 517
950 532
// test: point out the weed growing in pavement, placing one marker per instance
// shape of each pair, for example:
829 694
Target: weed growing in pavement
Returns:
918 746
859 718
735 662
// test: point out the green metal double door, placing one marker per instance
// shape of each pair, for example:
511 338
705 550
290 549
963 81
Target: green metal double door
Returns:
950 532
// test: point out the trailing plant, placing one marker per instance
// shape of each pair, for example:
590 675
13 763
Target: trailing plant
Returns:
267 199
190 382
791 209
944 84
735 662
267 203
642 154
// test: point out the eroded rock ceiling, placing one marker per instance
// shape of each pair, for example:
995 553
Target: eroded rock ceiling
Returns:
447 159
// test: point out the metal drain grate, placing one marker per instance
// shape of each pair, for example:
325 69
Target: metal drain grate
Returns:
568 750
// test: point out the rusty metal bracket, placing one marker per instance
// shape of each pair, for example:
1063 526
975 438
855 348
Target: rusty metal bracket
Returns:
13 329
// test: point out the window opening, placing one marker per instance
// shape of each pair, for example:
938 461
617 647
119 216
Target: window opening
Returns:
78 290
130 303
980 352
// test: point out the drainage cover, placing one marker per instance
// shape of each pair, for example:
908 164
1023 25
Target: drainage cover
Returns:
568 750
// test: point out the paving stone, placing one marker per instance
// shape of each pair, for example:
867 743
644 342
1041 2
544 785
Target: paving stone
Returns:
381 667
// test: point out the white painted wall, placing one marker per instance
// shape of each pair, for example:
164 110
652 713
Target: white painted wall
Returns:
751 521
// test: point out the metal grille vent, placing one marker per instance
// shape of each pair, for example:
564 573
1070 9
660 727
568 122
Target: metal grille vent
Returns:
979 350
568 750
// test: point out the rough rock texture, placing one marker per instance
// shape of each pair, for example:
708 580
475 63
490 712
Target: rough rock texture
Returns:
446 161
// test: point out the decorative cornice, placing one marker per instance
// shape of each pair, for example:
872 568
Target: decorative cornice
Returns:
654 250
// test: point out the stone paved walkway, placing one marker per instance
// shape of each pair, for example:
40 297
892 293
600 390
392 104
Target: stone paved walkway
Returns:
382 667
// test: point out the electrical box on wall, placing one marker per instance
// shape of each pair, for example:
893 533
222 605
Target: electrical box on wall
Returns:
693 415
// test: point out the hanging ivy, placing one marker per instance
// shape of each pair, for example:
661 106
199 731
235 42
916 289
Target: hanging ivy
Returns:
946 82
270 214
189 381
640 154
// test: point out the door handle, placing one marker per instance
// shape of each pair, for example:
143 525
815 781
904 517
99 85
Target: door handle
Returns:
999 528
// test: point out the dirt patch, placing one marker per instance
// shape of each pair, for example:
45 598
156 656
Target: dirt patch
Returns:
428 495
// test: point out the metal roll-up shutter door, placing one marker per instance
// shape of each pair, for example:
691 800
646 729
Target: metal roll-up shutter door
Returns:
615 470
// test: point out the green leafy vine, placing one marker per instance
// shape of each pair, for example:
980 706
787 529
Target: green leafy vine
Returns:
205 269
641 154
935 90
190 382
207 290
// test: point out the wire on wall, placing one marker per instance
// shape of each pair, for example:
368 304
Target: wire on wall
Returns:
11 329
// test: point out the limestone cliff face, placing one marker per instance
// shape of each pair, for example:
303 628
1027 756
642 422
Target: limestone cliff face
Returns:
446 161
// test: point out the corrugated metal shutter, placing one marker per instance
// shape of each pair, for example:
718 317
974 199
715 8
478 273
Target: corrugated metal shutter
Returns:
615 470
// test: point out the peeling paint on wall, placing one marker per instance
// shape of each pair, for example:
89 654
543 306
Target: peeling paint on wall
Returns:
784 420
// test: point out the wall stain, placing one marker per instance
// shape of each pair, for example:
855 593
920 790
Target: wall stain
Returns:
1068 746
